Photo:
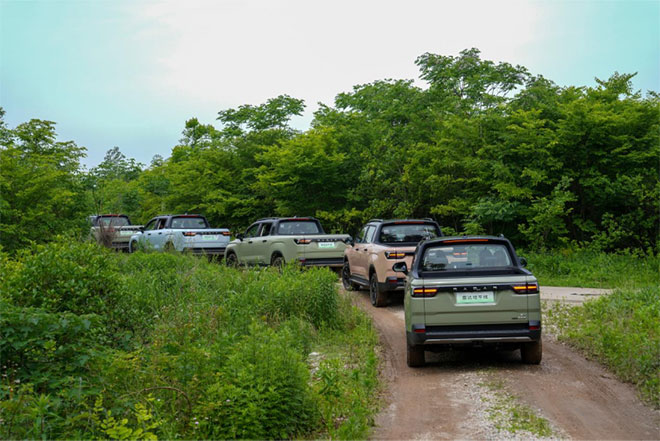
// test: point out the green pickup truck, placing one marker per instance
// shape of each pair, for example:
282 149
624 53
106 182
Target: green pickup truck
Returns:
470 291
275 241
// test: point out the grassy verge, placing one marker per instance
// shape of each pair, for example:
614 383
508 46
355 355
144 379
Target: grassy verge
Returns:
590 269
101 345
620 330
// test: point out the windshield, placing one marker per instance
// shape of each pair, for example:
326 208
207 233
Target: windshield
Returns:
113 221
295 227
188 222
407 233
465 257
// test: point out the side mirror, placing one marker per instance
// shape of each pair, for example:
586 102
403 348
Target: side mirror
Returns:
349 241
523 262
400 267
141 229
240 236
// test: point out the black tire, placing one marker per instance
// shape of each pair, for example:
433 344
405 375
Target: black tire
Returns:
415 356
346 278
132 246
378 297
169 247
277 261
531 353
231 260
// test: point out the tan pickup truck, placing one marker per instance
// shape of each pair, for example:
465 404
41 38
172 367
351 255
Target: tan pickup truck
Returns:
112 230
381 243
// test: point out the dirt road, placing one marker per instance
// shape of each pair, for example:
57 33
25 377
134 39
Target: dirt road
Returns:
577 396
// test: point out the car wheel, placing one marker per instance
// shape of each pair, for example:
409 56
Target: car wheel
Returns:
169 247
346 278
132 246
378 297
277 261
415 356
231 260
531 353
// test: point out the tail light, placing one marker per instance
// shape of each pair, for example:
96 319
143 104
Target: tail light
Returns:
302 241
394 254
424 292
226 233
189 233
528 288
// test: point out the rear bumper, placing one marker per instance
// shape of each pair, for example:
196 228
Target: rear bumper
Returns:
392 284
474 334
219 251
123 245
333 262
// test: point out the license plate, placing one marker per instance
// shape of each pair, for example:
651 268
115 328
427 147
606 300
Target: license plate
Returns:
326 244
463 298
209 237
126 233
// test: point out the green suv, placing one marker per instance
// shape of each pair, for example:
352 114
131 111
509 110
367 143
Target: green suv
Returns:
470 291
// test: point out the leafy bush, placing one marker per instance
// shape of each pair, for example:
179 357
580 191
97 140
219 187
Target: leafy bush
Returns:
63 276
153 345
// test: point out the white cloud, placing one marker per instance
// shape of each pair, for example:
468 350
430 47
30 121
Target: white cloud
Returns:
226 53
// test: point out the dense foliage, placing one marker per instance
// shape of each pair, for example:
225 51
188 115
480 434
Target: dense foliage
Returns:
106 346
483 147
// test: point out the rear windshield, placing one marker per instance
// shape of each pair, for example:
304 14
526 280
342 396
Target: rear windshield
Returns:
295 227
465 257
188 222
113 221
407 233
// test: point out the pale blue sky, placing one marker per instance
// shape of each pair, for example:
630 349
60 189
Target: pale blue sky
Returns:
129 73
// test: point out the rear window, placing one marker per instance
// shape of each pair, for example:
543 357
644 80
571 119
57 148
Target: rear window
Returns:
295 227
112 221
465 257
407 233
188 222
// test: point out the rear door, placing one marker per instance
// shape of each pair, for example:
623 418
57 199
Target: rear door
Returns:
362 252
246 249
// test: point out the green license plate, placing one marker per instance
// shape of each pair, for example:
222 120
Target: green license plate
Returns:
210 237
326 244
470 298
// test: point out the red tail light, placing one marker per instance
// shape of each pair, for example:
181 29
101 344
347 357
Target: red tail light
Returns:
394 255
226 233
424 292
528 288
189 233
302 241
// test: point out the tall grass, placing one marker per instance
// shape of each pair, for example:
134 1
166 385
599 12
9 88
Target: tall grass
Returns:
585 268
102 345
622 330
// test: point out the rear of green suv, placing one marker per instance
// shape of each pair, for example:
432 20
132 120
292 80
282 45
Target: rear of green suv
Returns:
470 291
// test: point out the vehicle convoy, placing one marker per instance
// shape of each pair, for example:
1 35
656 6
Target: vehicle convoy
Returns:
470 291
368 261
181 232
112 230
276 241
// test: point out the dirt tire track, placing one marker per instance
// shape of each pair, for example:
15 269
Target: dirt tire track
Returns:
576 395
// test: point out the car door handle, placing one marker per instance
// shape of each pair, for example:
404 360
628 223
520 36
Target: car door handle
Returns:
264 241
160 233
249 241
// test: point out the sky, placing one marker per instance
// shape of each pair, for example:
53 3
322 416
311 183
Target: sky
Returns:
130 73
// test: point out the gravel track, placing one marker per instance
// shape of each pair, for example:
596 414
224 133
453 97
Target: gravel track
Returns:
445 399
